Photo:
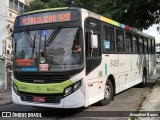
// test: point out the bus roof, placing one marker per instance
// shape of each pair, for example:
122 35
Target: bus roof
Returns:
49 9
94 15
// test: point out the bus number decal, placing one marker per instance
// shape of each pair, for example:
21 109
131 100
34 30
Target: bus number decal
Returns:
114 63
64 17
45 18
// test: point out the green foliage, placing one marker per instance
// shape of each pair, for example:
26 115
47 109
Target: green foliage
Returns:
36 5
42 4
135 13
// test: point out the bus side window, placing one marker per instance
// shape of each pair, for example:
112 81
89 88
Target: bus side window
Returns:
153 46
135 44
128 41
88 45
145 46
109 41
92 52
149 45
141 45
97 51
120 41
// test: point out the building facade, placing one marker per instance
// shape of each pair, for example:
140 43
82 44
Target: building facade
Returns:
9 9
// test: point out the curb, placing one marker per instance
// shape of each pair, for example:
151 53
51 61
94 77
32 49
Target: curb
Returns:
149 100
5 102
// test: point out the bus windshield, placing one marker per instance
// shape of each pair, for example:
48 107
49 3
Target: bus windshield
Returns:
59 48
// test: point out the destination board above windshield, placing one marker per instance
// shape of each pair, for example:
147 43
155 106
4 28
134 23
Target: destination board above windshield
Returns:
48 17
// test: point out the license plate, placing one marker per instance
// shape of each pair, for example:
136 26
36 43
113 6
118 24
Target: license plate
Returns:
39 99
43 67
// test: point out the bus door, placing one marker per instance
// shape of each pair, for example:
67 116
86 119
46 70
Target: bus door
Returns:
93 61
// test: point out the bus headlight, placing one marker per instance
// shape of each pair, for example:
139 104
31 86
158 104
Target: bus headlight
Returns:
68 90
72 88
77 85
15 88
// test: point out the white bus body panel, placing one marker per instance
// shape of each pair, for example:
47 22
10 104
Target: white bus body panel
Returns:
125 68
125 71
152 64
137 67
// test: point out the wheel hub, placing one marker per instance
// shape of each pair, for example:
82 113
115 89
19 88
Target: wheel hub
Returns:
107 92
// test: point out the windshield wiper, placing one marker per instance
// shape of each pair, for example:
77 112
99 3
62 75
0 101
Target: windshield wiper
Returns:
33 46
28 38
53 36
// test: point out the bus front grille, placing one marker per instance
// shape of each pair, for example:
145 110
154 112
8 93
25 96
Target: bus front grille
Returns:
51 98
41 79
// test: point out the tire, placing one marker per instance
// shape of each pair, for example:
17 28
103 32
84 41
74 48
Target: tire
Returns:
108 94
144 77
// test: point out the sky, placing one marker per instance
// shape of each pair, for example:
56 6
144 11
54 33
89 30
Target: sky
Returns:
153 32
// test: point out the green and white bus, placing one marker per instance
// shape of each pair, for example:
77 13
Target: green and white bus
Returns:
48 72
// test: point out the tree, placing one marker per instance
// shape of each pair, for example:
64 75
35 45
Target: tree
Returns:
135 13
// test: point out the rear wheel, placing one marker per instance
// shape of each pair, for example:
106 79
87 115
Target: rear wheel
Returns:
108 93
144 77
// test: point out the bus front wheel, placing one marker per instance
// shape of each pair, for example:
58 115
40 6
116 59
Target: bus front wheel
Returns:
108 93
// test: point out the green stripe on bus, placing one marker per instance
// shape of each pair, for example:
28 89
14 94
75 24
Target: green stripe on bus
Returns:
42 88
106 69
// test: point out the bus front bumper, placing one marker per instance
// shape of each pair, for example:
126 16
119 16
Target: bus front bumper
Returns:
74 100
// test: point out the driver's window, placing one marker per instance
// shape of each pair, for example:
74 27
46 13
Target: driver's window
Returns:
90 50
88 45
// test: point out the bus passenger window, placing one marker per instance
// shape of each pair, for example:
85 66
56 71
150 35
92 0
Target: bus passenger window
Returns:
128 41
120 41
149 45
109 41
135 44
145 46
153 46
141 45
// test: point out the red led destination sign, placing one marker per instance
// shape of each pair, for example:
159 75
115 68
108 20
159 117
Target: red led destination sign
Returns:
47 17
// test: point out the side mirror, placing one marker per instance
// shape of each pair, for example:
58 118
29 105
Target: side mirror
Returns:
94 41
